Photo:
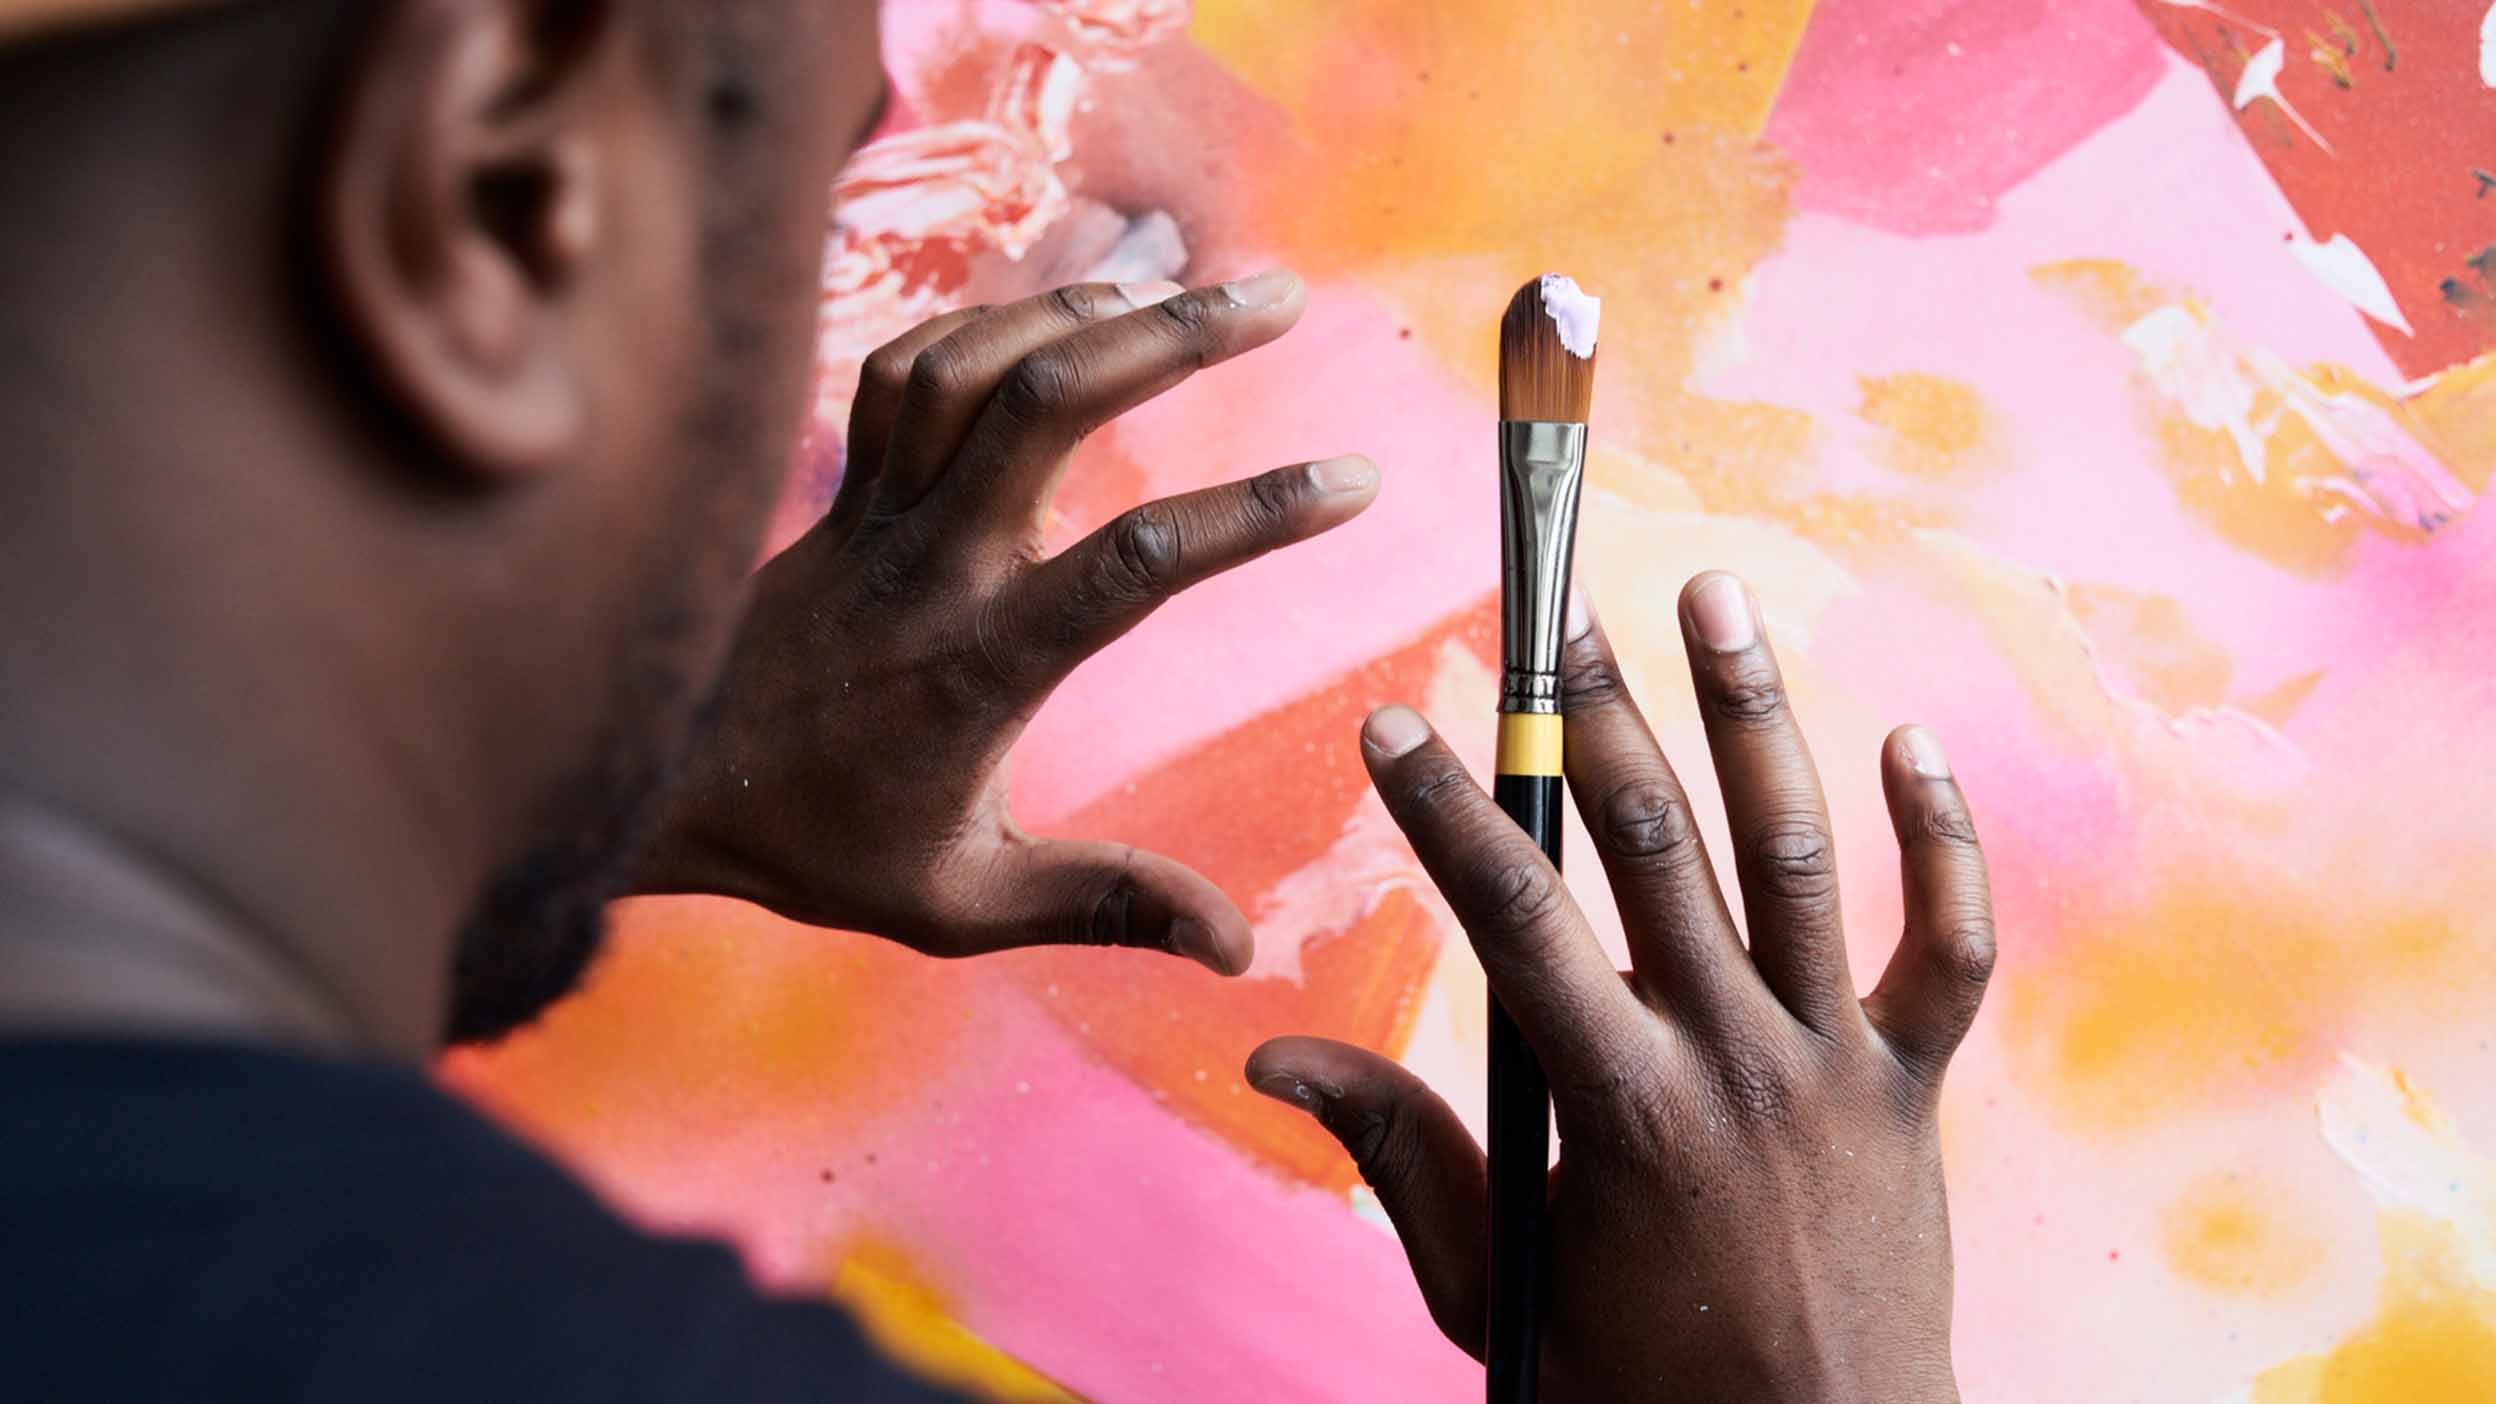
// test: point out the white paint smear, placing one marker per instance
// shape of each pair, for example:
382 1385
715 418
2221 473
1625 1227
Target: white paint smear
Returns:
2261 80
2346 269
2487 48
1578 316
2248 393
1371 858
2410 1156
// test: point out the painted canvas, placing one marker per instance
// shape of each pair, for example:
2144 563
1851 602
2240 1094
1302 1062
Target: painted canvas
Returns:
2105 383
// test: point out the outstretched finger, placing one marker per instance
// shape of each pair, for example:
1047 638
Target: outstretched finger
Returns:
1064 892
1544 963
1784 854
951 380
1414 1152
1936 979
1077 603
882 381
1057 394
1682 940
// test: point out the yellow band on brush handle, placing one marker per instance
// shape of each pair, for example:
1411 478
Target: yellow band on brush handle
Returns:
1529 744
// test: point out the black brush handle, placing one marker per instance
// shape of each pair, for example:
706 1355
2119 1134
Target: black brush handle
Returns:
1520 1267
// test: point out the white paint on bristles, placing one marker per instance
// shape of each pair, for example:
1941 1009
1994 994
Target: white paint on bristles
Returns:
1577 315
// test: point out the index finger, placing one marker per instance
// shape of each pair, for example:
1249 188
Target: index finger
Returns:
1060 392
1542 959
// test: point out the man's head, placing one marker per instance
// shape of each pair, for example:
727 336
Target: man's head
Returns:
393 392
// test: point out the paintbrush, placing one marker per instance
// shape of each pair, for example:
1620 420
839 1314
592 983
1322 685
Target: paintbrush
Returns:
1546 386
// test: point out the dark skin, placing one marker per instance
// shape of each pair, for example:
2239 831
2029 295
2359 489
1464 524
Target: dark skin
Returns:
1749 1194
397 394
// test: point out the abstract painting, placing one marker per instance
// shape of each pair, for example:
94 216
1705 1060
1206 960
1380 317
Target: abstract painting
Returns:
2106 384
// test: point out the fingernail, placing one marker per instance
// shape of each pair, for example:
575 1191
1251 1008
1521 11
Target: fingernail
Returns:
1283 1087
1924 753
1348 474
1143 295
1721 610
1581 619
1263 290
1393 731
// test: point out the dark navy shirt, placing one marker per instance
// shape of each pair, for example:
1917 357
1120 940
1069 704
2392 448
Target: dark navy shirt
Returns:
206 1223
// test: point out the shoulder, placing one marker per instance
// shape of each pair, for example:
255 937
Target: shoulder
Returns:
264 1227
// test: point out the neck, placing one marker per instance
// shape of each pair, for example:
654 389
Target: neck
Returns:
100 937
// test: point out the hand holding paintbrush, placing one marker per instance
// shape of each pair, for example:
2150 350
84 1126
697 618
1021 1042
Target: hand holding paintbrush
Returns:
1748 1202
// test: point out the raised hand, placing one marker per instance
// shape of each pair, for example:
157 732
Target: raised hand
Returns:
856 774
1748 1204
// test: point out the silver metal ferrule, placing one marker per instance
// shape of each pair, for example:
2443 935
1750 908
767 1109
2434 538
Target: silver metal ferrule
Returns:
1541 467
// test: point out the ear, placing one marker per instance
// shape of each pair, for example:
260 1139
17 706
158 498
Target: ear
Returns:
458 212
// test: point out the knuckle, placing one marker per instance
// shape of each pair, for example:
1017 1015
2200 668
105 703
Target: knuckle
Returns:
1795 860
1748 693
1947 826
1429 787
1964 953
1075 302
1109 917
1381 1139
1189 322
1143 555
1590 680
937 373
886 371
1041 385
1271 498
1516 899
1644 819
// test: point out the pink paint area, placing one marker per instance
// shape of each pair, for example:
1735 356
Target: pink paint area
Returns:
1194 670
1131 1257
1916 117
2170 193
1059 1209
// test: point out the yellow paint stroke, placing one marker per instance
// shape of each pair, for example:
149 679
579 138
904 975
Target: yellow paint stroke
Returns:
2331 57
911 1323
2079 687
2293 466
1939 428
2218 986
2241 1237
2433 1335
2456 414
1441 156
2276 706
2432 1339
2164 660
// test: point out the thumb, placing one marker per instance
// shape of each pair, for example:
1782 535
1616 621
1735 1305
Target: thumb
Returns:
1413 1151
1059 892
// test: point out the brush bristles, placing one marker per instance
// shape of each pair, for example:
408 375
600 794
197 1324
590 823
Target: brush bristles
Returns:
1538 377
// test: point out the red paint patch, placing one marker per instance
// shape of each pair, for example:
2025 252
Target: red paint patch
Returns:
2406 136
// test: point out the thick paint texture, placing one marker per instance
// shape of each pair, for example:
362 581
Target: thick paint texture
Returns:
2049 395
